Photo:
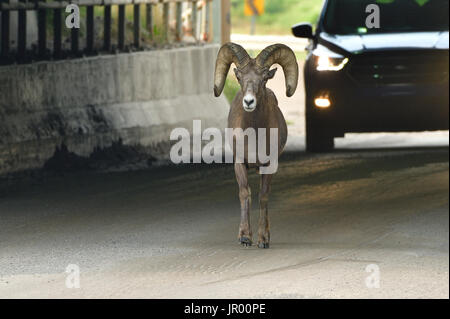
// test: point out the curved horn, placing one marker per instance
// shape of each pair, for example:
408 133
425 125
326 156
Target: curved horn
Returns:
284 56
228 53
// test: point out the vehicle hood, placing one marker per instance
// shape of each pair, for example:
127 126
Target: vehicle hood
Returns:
386 41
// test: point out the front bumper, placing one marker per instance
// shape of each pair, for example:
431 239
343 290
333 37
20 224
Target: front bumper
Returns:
357 107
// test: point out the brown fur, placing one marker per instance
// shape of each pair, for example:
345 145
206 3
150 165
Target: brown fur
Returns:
266 115
253 75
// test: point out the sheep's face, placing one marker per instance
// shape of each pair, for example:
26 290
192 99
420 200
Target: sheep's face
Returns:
253 83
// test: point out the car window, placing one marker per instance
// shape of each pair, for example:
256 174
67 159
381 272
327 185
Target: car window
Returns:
349 16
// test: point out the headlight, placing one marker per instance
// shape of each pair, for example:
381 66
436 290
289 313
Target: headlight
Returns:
325 63
327 60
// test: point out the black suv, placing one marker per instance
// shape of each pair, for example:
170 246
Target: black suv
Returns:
390 78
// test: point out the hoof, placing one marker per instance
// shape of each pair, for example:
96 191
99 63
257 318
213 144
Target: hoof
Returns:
263 245
245 241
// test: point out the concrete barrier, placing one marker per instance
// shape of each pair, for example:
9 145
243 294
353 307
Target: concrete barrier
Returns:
89 104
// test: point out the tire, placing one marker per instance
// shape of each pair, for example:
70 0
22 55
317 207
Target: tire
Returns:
318 139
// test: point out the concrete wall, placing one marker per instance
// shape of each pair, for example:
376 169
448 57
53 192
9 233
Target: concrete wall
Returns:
90 103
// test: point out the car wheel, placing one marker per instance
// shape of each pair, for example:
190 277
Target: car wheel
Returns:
318 139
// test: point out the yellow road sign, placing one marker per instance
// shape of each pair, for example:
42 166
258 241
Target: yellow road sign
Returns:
253 7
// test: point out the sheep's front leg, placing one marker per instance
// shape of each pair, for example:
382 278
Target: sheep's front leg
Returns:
263 227
245 232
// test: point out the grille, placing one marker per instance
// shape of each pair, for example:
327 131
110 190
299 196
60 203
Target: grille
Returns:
400 68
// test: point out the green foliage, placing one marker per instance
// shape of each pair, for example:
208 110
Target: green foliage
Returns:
278 17
231 88
158 30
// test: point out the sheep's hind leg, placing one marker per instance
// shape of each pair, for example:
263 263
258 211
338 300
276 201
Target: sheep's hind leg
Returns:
263 227
245 232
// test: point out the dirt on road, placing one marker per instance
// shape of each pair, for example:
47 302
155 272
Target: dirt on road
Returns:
362 222
337 220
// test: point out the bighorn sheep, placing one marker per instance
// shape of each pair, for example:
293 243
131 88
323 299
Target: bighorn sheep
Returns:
255 106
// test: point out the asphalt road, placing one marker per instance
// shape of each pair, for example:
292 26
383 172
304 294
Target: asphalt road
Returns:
171 232
375 213
259 42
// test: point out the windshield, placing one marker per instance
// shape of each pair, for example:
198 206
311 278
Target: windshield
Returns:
349 16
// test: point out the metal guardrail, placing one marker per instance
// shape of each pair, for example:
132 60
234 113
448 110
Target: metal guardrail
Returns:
55 8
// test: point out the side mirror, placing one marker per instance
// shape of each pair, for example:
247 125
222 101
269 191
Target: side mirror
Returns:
303 30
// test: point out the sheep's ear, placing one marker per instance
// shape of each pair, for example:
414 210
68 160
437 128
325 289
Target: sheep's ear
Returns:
271 74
